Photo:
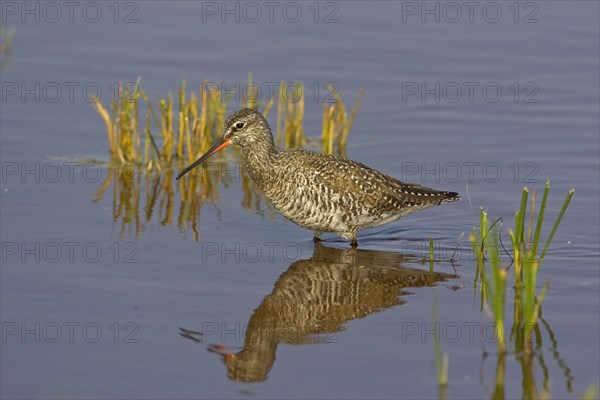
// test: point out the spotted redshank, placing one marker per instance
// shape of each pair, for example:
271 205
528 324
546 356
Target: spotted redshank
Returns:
317 191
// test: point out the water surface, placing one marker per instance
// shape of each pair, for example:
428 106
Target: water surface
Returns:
104 320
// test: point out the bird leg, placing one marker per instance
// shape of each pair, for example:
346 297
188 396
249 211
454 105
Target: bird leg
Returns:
317 237
354 242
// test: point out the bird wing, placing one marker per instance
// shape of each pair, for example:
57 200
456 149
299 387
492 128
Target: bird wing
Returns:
372 188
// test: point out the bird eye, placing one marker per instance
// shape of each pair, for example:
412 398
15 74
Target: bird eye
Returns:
239 125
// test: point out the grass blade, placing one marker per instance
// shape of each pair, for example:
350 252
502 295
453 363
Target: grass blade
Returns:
557 222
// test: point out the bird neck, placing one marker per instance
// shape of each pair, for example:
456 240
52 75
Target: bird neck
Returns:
258 158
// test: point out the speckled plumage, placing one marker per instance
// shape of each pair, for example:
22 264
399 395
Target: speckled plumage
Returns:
322 192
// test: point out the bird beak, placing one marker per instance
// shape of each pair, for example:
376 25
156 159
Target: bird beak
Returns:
221 144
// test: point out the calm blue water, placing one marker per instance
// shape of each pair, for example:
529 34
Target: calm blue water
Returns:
481 101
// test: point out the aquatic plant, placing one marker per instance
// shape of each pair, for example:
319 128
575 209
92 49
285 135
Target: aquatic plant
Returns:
6 39
176 130
526 263
591 393
190 129
442 361
337 123
289 132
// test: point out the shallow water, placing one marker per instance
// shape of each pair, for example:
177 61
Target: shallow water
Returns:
93 304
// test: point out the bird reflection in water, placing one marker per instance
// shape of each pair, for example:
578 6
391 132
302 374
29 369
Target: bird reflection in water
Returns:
314 298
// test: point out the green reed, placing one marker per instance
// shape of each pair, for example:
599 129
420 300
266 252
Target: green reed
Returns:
528 260
591 393
442 361
182 130
6 39
431 256
289 131
337 123
493 282
159 137
526 263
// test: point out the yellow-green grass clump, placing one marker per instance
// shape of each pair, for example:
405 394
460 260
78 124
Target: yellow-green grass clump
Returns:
526 262
188 128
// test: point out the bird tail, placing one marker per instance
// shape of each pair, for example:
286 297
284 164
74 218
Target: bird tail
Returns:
450 197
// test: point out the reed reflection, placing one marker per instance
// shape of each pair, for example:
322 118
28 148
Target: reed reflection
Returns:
315 298
534 368
139 195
